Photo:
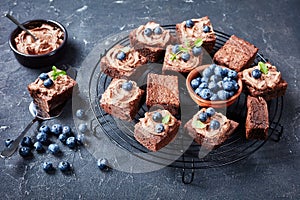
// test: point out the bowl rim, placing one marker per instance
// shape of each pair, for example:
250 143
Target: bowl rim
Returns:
18 30
218 103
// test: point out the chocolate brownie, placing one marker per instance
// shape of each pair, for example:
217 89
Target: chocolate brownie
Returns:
151 40
162 90
157 129
51 89
201 28
268 85
236 54
257 120
207 133
122 99
121 62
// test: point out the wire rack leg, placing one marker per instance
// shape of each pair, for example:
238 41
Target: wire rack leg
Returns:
278 130
188 178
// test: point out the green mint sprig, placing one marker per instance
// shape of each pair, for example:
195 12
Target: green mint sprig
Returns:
198 124
188 46
263 67
166 119
56 73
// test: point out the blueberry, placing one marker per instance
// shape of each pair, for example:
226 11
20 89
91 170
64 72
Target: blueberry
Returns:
67 131
212 86
56 129
232 74
223 95
148 32
185 56
43 76
42 137
71 142
218 71
225 79
54 149
121 55
224 72
212 67
157 30
63 138
48 167
204 79
80 114
199 78
26 142
157 117
203 85
228 86
176 48
159 128
82 128
206 29
214 124
80 139
198 90
45 129
220 84
48 83
203 116
210 112
215 78
25 151
38 146
256 73
205 93
102 164
207 72
231 93
197 51
236 86
195 83
127 85
64 166
8 142
189 23
214 97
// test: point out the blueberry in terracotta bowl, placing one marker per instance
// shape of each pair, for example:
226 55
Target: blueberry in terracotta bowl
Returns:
46 50
214 86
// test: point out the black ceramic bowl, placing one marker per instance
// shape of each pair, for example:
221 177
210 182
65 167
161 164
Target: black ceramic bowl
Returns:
43 60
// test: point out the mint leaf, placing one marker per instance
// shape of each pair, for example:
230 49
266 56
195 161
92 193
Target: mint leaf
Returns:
198 42
173 57
198 124
263 67
187 44
56 73
182 49
166 119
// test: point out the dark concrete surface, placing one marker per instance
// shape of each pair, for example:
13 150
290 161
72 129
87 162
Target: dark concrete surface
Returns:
271 172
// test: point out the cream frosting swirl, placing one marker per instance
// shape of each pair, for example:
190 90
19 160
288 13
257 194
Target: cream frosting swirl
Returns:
269 80
49 39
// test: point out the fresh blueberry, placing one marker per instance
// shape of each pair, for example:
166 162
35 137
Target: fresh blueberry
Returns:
71 142
148 32
207 72
210 111
80 139
157 117
215 78
214 124
121 55
127 85
256 73
225 79
48 82
42 137
206 29
197 51
25 151
232 74
205 93
26 142
220 84
204 79
43 76
212 67
228 86
199 78
45 129
214 97
189 23
48 167
224 72
102 164
236 86
80 113
212 86
56 129
67 131
203 116
38 146
231 93
185 56
82 128
64 166
218 71
8 142
63 138
198 90
176 48
54 149
159 128
203 85
157 30
195 83
223 95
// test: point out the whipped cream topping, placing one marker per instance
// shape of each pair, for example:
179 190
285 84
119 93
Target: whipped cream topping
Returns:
269 80
206 131
49 39
154 40
149 124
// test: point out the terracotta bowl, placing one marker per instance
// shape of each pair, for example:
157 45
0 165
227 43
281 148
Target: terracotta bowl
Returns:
207 103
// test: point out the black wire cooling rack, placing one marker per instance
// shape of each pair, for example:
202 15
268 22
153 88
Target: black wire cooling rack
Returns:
232 150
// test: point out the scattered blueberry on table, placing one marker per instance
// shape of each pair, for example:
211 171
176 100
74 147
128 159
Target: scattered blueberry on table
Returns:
48 167
71 142
54 149
26 141
25 151
82 128
64 166
38 146
103 164
8 142
56 129
80 114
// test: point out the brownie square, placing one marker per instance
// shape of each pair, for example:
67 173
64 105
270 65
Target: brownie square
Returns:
162 90
202 29
236 54
257 120
121 103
